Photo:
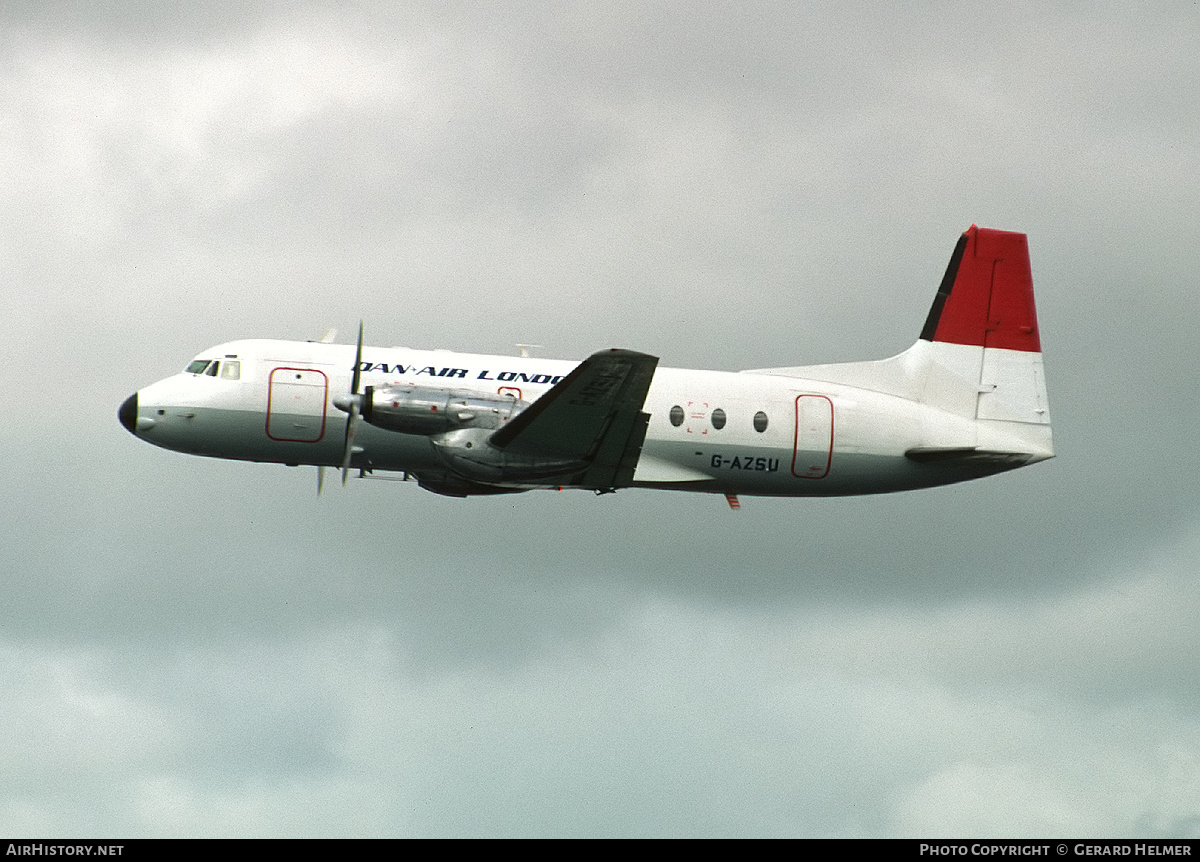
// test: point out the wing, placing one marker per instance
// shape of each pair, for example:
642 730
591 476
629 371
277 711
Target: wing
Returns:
593 415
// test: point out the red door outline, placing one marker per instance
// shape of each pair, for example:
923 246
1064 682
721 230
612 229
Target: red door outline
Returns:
297 398
814 427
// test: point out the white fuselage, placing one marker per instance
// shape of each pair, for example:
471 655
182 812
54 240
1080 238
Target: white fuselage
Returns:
709 431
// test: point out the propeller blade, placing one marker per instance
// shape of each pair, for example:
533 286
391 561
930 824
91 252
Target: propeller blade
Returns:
355 405
351 428
354 381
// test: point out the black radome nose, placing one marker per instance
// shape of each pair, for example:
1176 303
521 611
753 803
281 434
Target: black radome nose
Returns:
128 414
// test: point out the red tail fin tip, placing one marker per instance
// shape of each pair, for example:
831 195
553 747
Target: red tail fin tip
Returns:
986 296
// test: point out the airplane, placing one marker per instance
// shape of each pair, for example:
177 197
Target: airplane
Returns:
967 400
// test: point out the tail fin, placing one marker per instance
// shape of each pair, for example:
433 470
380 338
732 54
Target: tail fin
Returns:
983 326
979 355
986 297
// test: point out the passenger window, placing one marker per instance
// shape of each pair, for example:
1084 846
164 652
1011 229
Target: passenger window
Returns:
760 422
676 415
231 370
718 418
212 369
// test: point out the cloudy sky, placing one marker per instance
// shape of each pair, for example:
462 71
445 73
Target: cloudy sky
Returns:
194 647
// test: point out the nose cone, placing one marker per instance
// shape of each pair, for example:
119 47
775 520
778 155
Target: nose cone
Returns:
128 413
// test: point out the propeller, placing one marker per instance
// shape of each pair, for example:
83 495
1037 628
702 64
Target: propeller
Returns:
352 404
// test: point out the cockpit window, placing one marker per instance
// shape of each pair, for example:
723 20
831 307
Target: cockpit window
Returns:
231 369
198 366
212 369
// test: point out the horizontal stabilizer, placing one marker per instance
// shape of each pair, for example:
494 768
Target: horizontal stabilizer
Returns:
969 457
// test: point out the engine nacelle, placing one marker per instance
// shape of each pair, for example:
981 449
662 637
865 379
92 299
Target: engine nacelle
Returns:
429 410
